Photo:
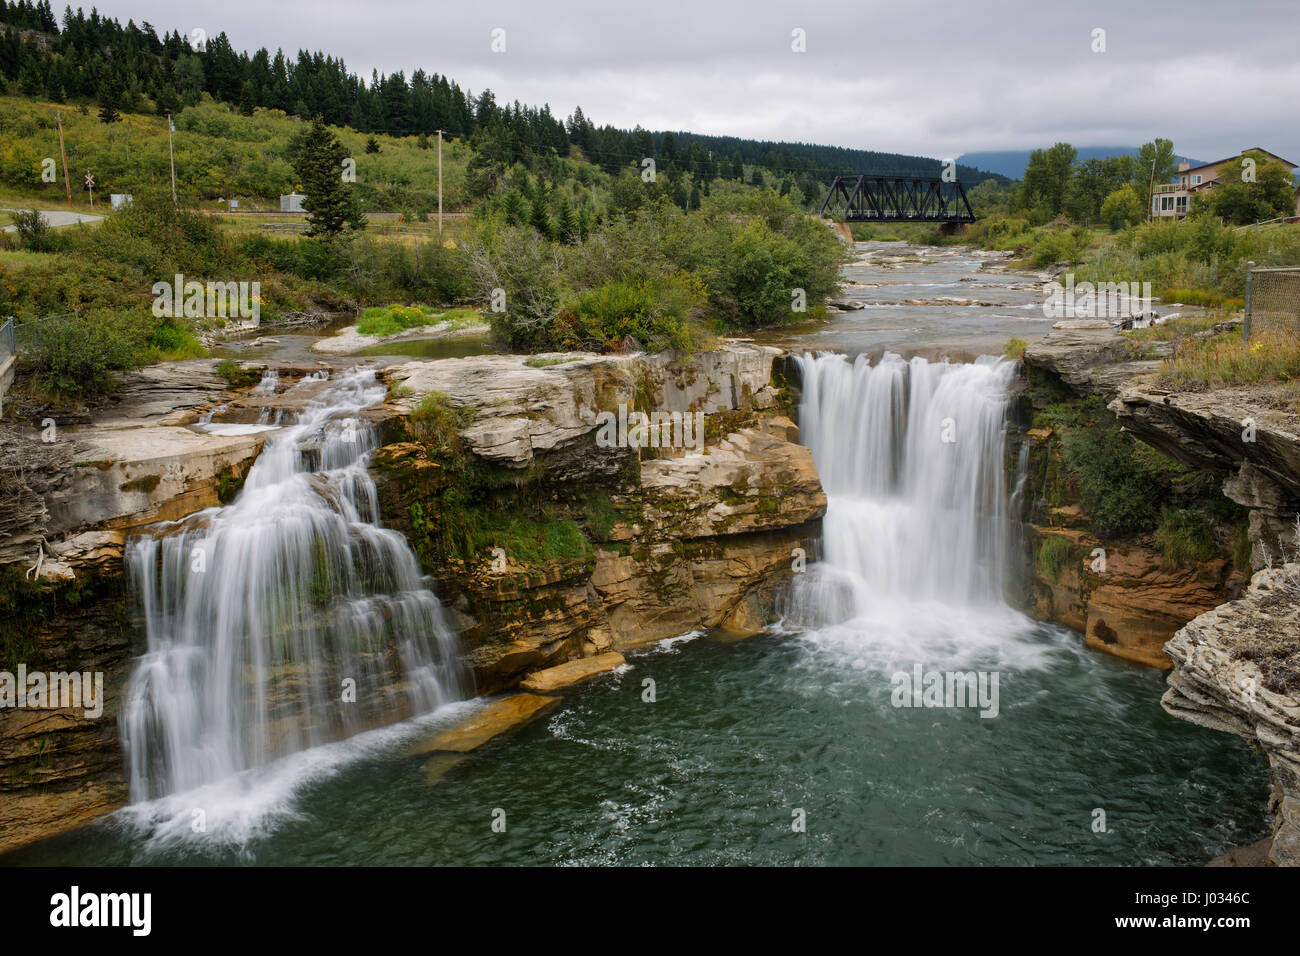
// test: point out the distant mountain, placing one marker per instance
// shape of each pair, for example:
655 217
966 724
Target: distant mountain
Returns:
1012 162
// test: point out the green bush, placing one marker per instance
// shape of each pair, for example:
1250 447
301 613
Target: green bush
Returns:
1121 482
71 356
654 312
33 231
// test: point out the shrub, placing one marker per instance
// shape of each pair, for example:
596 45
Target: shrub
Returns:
655 312
33 230
71 356
1121 483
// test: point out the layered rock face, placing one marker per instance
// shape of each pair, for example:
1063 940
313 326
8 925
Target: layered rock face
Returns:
702 537
1134 606
1249 438
72 493
1237 669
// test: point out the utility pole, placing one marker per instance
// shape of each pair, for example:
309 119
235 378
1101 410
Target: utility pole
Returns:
172 153
440 185
62 152
1151 193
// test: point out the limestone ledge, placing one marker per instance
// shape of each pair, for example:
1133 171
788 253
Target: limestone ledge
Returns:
1237 669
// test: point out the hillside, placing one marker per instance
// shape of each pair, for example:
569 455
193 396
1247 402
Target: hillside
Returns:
1011 163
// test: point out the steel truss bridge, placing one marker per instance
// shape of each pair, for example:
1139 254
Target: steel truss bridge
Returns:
897 199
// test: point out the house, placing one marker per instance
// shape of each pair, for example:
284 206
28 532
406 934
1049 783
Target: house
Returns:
1173 199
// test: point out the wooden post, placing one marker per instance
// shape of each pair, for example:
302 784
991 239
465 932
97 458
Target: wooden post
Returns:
439 185
1250 282
63 153
171 152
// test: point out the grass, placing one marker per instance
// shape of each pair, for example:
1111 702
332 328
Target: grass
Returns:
1174 329
437 423
542 361
1203 297
392 319
1015 349
524 538
1185 535
1225 360
17 259
1054 555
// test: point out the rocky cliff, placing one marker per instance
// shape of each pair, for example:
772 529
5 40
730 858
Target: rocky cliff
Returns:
1097 502
668 539
1237 669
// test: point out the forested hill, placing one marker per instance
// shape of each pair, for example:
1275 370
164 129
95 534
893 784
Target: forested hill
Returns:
131 68
832 159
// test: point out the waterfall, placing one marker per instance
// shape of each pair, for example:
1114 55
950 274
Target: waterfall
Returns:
288 618
911 455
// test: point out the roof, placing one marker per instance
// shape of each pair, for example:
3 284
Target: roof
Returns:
1249 149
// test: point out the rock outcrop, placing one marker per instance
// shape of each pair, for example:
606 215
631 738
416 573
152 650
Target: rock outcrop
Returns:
703 536
1090 361
1137 604
1248 437
1237 669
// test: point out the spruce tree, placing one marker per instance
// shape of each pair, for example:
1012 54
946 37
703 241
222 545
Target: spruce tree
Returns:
331 203
108 98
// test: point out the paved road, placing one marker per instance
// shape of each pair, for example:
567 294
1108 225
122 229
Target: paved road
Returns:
58 217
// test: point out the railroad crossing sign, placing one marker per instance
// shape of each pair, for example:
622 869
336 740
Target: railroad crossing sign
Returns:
90 184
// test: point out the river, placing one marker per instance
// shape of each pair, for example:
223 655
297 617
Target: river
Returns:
793 746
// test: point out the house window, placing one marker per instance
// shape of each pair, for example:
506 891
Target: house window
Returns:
1166 203
1196 180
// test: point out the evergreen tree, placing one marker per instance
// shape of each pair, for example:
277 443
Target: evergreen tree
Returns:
513 207
566 227
247 99
372 145
539 218
108 97
331 204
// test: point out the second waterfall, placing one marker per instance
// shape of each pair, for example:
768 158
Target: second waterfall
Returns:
911 454
288 618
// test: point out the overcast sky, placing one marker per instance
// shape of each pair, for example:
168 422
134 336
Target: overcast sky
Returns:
932 79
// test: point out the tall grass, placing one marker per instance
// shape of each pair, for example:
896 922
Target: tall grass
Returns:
1225 360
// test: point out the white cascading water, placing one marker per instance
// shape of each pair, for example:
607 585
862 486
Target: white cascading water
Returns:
262 614
916 537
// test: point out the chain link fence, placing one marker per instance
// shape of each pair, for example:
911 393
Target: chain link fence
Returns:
1272 301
